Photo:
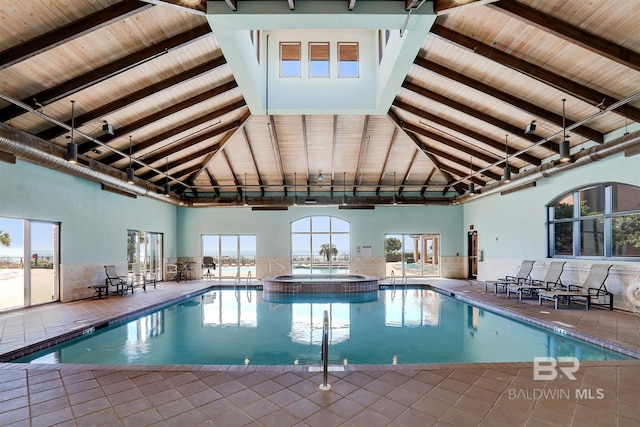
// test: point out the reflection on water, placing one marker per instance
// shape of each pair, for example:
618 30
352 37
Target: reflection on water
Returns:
412 307
230 308
227 327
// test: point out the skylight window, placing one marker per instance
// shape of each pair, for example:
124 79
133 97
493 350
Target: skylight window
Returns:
347 59
318 59
290 56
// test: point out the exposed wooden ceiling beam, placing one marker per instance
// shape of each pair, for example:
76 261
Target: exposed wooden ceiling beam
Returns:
407 173
534 110
71 31
461 129
173 108
351 4
114 157
570 33
276 150
478 154
394 138
364 140
254 163
221 143
236 182
136 96
194 6
233 4
176 148
213 182
292 4
427 181
507 127
105 72
566 85
441 7
396 120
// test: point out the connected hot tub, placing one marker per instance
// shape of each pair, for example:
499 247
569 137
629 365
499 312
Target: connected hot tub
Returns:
320 283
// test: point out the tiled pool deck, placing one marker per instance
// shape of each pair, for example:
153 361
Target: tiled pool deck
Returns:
500 394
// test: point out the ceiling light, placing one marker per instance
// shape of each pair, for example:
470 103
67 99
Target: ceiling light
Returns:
472 186
72 147
394 199
130 172
506 177
244 193
295 189
565 154
167 188
344 189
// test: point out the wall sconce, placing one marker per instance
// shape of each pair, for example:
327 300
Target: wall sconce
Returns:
320 179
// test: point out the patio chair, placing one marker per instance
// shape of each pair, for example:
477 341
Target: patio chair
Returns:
209 264
121 283
550 280
137 278
521 276
591 289
170 271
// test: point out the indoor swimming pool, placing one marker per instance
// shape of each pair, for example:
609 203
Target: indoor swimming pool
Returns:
239 327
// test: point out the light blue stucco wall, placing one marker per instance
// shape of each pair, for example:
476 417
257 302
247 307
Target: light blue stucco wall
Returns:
513 227
368 227
93 223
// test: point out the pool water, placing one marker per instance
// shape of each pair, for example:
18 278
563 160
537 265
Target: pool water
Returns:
227 327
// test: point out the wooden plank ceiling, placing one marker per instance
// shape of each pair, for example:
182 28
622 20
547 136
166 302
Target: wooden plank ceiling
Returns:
153 72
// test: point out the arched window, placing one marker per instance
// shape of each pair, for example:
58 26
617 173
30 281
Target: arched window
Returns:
320 245
601 221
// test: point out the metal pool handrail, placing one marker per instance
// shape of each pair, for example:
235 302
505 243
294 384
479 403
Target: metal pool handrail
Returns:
325 351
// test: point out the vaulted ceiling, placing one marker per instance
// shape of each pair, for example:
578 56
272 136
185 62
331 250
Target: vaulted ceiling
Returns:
149 79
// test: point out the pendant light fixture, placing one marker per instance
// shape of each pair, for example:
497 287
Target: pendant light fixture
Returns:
565 154
130 173
244 192
167 188
506 177
472 186
394 199
72 147
295 189
344 189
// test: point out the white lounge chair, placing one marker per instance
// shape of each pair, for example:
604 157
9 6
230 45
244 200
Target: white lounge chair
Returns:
551 280
521 276
592 289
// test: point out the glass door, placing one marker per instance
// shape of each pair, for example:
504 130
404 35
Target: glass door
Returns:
12 287
44 263
145 250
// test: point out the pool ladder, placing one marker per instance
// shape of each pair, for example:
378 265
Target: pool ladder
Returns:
325 352
238 282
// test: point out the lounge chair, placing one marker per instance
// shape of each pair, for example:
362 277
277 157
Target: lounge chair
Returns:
121 283
521 276
550 280
592 289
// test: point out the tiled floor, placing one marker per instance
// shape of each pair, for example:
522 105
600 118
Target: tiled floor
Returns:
500 394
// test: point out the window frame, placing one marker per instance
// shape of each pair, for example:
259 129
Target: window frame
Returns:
604 193
282 61
341 74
